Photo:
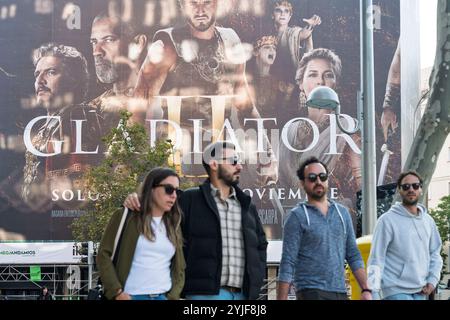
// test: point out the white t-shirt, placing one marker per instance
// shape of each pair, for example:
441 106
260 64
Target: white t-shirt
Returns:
150 268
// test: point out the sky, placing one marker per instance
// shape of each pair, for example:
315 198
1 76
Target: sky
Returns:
428 9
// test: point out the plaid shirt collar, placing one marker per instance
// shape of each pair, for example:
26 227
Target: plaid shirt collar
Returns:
216 192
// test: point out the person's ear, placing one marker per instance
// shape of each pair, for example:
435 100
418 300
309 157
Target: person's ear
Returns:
142 41
302 183
214 165
138 49
300 86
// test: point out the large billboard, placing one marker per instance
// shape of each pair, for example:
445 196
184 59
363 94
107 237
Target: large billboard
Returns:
192 72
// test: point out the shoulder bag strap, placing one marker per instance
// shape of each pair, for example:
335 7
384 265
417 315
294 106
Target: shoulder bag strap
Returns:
117 240
119 233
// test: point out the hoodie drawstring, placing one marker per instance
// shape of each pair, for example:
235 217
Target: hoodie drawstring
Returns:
339 213
342 218
415 225
306 213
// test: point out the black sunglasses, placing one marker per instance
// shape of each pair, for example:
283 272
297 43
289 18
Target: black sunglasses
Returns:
312 177
169 189
415 186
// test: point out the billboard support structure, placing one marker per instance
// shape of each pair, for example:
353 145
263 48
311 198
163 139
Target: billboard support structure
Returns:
369 190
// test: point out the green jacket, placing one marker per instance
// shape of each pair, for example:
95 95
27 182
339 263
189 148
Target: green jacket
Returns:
114 278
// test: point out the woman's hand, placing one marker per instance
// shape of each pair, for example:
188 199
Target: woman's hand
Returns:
122 296
132 202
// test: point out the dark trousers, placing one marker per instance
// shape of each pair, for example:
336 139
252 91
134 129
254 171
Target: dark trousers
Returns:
316 294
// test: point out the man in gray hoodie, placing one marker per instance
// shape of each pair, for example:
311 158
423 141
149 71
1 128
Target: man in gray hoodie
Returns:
405 261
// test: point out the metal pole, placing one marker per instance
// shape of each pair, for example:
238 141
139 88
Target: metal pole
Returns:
90 263
369 189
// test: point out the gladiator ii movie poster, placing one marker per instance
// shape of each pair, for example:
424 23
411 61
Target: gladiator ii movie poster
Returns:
192 71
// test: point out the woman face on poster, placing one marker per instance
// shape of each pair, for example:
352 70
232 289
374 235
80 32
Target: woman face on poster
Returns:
320 67
318 73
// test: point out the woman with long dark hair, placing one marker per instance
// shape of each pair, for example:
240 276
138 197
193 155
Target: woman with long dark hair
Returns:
149 262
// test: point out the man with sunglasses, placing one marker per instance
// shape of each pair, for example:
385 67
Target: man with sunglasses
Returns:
405 261
225 244
318 239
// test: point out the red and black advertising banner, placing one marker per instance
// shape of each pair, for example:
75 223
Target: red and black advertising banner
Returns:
193 72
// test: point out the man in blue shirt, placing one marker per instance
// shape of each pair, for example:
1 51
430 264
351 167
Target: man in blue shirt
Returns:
318 239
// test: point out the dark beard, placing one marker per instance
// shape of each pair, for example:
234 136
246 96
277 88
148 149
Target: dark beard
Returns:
316 196
227 178
407 202
202 27
313 195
